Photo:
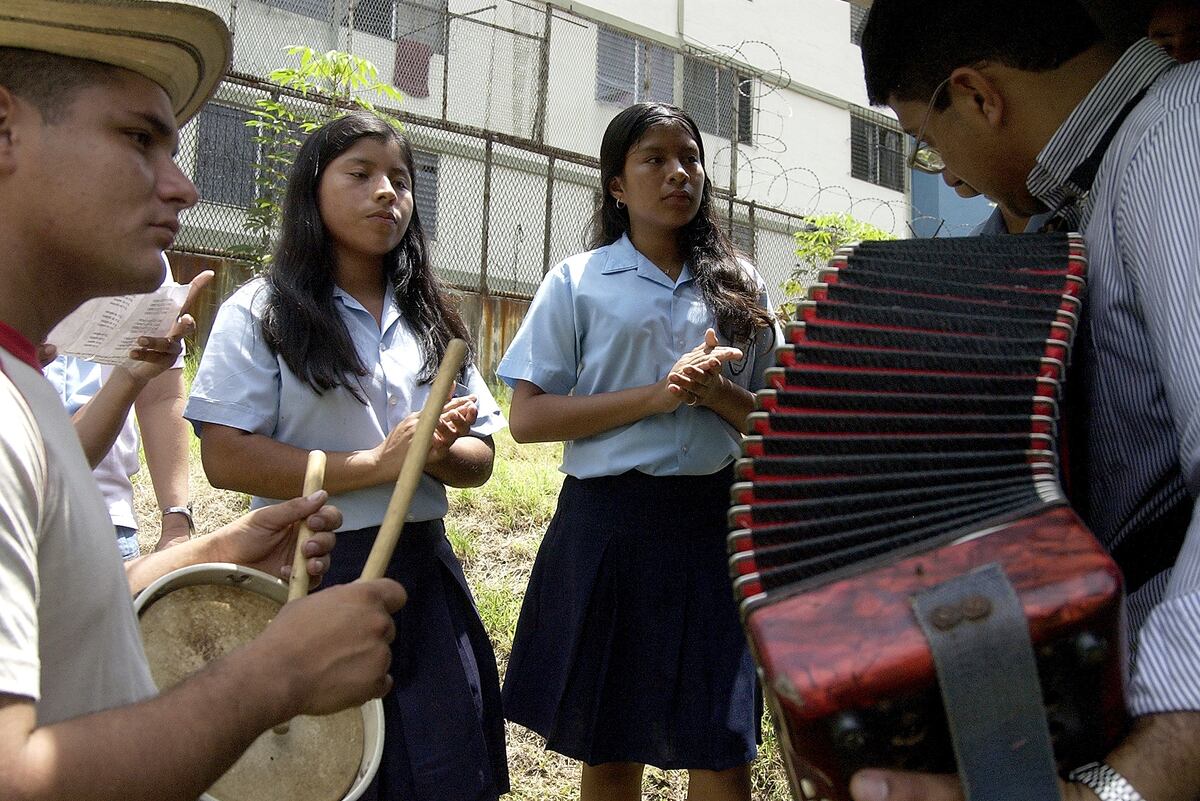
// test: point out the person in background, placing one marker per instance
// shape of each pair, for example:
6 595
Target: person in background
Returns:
103 401
1175 27
642 355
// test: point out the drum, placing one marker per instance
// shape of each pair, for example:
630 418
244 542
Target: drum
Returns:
198 613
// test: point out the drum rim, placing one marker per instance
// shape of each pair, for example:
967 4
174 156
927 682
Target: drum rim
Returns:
275 589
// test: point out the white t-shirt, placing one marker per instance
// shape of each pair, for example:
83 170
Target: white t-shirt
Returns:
68 635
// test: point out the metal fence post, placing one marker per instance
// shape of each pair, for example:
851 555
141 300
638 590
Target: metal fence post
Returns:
539 117
750 221
549 206
487 214
446 65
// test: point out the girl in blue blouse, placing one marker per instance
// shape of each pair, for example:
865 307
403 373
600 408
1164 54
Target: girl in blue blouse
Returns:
642 356
335 349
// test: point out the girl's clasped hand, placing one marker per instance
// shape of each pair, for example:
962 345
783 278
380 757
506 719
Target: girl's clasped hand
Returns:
696 377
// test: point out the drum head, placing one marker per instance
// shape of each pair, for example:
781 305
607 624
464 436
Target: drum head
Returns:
186 627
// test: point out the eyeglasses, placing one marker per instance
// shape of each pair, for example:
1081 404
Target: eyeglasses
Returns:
925 157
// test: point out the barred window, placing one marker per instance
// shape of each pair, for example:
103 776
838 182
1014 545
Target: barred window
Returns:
422 21
629 70
858 17
374 17
877 149
718 99
226 155
317 9
425 199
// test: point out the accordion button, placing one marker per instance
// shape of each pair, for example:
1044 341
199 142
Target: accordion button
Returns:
946 617
848 732
1090 650
976 607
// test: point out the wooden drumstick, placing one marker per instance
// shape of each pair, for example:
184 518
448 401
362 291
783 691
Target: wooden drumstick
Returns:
314 479
414 462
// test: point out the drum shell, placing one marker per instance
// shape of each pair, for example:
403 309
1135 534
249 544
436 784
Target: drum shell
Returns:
227 574
850 678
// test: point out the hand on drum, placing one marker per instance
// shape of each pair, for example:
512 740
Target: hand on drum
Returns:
265 539
332 649
696 377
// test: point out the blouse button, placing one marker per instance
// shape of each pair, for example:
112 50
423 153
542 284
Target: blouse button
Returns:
392 401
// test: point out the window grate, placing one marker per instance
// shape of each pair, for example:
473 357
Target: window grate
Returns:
719 99
629 70
225 156
877 150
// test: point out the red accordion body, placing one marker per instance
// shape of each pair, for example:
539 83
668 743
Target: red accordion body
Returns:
910 437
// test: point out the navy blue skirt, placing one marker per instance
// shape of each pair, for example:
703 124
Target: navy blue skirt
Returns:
629 647
443 727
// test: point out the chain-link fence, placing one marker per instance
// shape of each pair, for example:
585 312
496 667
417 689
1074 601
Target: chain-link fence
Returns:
505 104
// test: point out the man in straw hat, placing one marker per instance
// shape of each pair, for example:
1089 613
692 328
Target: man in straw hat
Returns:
91 96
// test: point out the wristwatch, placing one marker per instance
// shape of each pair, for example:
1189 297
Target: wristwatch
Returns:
186 511
1105 782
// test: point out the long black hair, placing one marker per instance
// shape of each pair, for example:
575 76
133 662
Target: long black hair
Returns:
301 323
723 283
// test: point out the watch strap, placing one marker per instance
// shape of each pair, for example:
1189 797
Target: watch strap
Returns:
186 511
1105 782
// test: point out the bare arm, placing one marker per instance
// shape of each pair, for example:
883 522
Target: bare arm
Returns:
467 463
256 464
322 653
1160 757
159 408
99 421
537 416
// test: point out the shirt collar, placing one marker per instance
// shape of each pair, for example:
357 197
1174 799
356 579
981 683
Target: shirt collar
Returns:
391 312
15 343
1085 126
623 256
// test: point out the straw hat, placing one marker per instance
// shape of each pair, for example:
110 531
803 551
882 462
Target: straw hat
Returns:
183 49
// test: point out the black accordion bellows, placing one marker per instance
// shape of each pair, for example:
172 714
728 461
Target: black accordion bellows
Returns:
914 413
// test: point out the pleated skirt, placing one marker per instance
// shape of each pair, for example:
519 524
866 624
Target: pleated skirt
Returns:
443 727
629 647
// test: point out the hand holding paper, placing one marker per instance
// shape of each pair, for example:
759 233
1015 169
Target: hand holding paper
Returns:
132 330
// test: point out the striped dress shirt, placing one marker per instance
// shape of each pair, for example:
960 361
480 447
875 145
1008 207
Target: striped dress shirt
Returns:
1141 351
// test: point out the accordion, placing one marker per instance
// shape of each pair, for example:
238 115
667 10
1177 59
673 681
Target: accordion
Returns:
908 570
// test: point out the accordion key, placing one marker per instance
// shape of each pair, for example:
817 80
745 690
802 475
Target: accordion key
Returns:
909 436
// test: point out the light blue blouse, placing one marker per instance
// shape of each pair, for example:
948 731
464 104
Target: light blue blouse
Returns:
242 384
608 320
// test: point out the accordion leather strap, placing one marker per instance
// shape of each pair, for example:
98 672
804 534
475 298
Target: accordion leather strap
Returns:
985 666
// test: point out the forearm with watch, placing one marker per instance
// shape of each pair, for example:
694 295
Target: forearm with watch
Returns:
1158 761
165 435
177 525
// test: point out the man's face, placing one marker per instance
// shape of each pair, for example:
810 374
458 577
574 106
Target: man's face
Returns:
96 195
973 148
1175 27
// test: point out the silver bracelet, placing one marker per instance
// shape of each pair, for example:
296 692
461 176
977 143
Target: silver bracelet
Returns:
1105 782
186 511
